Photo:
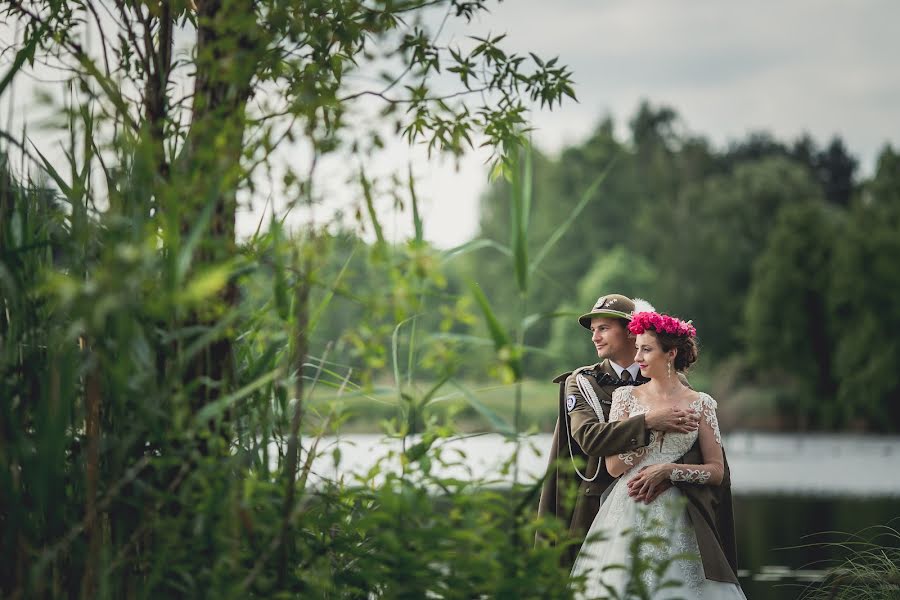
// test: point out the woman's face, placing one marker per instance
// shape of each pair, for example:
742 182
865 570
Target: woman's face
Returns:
650 357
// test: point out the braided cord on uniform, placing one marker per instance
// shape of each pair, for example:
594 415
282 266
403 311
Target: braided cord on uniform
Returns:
590 397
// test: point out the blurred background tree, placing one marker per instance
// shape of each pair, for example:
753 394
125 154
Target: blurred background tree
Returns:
762 244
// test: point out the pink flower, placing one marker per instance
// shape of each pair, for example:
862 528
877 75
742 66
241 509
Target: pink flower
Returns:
660 323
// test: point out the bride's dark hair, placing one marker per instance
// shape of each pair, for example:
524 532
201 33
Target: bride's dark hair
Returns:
687 348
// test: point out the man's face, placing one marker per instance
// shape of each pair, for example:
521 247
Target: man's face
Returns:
612 340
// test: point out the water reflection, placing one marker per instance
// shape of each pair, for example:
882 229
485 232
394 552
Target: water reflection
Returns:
784 544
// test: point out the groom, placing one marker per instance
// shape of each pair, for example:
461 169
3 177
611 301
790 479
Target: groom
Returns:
577 475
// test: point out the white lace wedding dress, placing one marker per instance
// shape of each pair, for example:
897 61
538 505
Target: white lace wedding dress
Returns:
606 563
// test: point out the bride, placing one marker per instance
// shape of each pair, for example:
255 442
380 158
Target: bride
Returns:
655 547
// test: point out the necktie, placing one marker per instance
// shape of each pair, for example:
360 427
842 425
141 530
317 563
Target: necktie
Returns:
626 377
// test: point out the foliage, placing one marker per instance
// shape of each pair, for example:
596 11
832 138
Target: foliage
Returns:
787 312
863 301
868 570
156 369
616 269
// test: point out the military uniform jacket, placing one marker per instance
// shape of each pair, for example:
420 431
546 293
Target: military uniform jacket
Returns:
582 436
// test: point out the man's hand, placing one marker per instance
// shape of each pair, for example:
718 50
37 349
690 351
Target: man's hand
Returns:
672 419
647 482
649 496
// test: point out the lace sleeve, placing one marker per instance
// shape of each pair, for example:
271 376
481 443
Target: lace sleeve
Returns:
706 406
621 409
713 468
621 403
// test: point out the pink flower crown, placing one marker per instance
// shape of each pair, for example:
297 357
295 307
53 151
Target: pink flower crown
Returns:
643 321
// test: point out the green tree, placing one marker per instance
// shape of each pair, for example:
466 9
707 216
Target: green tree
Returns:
863 302
787 328
704 242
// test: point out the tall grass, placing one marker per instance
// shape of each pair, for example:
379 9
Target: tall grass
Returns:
509 340
868 567
115 483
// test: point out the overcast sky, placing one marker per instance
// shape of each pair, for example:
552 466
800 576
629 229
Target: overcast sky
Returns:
826 67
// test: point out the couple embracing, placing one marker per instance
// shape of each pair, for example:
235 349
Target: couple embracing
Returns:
637 464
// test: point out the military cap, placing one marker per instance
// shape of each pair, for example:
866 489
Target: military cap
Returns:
614 306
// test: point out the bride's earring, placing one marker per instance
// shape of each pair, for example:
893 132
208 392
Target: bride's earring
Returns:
669 370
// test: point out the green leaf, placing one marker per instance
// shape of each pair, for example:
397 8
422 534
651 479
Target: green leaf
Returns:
280 286
216 409
473 245
500 424
530 320
498 334
417 218
435 388
206 283
586 197
54 174
520 206
370 206
394 354
25 53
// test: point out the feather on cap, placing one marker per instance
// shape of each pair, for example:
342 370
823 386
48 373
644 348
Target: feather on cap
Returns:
641 305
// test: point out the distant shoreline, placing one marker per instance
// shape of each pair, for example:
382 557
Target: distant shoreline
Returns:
803 464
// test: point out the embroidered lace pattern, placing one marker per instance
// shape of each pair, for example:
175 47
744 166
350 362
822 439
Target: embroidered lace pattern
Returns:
623 403
629 457
690 475
666 518
706 406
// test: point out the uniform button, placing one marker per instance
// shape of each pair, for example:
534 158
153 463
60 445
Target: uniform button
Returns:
633 442
587 491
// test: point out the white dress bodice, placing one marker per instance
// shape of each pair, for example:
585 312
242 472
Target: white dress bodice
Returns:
663 447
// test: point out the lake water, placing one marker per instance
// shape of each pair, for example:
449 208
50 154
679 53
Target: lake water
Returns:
787 488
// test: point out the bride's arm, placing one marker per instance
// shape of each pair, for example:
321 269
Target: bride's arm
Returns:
712 470
616 464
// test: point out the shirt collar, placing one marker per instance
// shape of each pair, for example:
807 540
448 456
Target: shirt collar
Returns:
634 369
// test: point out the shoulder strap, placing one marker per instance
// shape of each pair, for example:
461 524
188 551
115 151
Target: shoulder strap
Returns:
561 378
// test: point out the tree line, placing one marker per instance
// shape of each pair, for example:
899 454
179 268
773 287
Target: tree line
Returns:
780 252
